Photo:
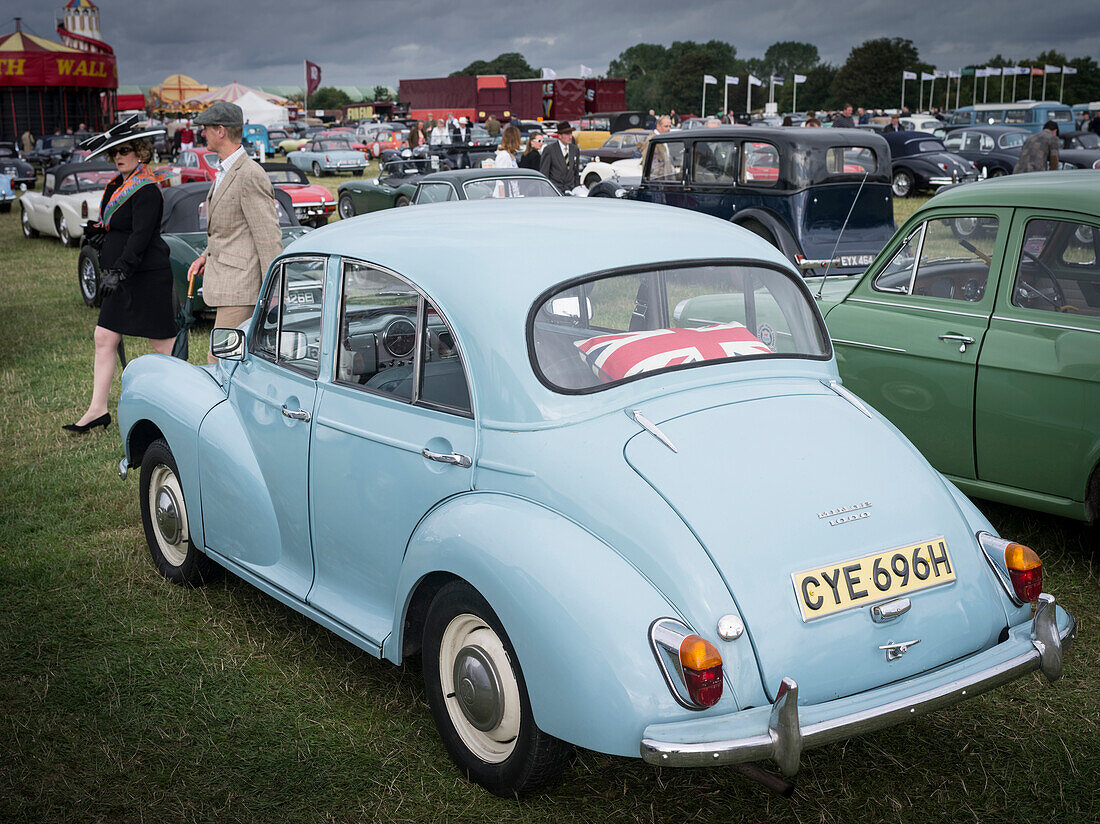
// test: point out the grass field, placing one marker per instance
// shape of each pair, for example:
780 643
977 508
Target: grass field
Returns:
127 699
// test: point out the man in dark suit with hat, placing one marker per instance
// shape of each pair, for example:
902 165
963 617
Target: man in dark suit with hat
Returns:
562 162
242 225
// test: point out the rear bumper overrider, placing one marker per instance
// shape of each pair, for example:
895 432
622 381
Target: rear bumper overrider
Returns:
782 731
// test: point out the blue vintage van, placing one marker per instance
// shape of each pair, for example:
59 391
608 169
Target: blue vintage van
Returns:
1023 114
256 133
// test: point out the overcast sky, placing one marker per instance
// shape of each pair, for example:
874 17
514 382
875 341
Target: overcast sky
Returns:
369 43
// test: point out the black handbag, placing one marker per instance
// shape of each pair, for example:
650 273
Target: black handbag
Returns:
94 235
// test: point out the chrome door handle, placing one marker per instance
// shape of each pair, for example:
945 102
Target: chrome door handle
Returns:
453 458
964 340
295 414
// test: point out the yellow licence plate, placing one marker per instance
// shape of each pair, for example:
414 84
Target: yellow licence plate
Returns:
862 581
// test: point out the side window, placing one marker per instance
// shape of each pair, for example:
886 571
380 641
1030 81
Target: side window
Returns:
953 141
759 164
442 378
986 143
946 258
1058 270
435 193
665 161
714 162
954 259
377 331
613 143
289 331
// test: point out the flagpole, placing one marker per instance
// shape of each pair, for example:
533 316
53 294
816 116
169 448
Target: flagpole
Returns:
305 104
903 91
1015 74
1002 84
1044 97
748 94
704 112
985 87
920 96
931 90
1062 85
1030 80
794 100
958 87
725 95
974 101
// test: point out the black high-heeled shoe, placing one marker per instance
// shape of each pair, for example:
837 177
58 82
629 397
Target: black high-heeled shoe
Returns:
81 428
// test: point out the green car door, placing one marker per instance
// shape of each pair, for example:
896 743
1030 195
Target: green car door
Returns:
907 337
1038 390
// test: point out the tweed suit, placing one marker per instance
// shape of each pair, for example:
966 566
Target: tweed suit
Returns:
244 235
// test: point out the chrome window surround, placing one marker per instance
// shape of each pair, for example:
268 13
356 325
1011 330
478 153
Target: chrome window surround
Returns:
992 544
418 352
665 637
916 259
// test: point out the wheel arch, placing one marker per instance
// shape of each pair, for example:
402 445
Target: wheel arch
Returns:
788 244
547 578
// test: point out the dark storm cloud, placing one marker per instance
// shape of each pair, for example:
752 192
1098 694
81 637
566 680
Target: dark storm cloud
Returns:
367 43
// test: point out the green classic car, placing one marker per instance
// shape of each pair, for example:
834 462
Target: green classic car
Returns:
977 332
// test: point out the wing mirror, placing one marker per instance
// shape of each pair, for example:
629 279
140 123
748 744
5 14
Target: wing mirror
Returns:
228 344
293 346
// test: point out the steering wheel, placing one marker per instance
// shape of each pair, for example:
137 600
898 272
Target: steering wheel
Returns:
1059 299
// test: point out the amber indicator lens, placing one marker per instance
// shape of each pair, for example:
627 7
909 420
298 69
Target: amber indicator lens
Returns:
1026 571
702 667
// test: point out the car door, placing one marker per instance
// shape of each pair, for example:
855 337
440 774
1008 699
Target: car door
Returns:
907 338
663 173
254 449
393 435
713 176
1038 395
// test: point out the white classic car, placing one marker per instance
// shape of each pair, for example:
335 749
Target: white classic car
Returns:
626 171
70 197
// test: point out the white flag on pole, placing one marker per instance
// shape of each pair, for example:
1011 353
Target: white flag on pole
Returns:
548 74
800 78
709 79
732 81
908 75
926 76
755 81
1052 69
1068 70
585 71
938 74
777 80
954 75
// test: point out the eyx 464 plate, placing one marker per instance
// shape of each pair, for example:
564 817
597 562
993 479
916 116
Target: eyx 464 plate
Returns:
880 576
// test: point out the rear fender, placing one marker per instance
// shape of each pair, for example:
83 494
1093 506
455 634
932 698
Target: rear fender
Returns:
173 396
575 611
783 236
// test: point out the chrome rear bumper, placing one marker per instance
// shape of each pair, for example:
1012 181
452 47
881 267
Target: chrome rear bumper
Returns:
784 730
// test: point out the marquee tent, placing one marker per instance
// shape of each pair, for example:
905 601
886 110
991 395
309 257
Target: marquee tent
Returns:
233 92
47 87
258 110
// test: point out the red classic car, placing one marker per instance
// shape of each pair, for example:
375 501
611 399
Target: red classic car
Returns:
382 136
196 165
313 203
348 134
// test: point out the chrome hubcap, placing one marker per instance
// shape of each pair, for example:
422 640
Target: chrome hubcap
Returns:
168 518
87 277
966 225
477 688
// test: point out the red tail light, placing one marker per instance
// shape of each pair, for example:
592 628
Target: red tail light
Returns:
84 209
1026 571
702 667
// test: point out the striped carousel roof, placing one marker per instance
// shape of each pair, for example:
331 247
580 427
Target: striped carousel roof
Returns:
80 4
22 42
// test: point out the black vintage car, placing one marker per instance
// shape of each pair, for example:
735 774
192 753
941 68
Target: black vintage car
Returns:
14 166
993 149
51 149
1080 150
816 194
921 162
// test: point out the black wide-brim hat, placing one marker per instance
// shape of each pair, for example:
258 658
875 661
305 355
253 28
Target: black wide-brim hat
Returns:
124 132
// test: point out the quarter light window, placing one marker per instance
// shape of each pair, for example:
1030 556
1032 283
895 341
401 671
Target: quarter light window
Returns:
289 330
604 331
945 258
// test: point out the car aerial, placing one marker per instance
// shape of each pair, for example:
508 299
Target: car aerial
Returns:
920 162
381 136
7 194
993 149
324 155
797 188
313 203
70 196
977 333
620 146
51 149
480 184
570 492
183 227
1080 150
15 167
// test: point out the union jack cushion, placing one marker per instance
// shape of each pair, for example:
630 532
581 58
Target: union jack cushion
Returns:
614 357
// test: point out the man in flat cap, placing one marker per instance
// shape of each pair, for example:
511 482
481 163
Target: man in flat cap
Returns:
562 163
242 226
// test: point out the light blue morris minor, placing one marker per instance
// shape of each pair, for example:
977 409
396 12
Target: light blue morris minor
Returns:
601 517
322 155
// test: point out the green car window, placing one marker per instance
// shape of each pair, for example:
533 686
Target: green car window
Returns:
1057 270
944 258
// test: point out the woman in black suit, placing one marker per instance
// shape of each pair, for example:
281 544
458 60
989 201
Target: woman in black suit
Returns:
533 154
136 277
